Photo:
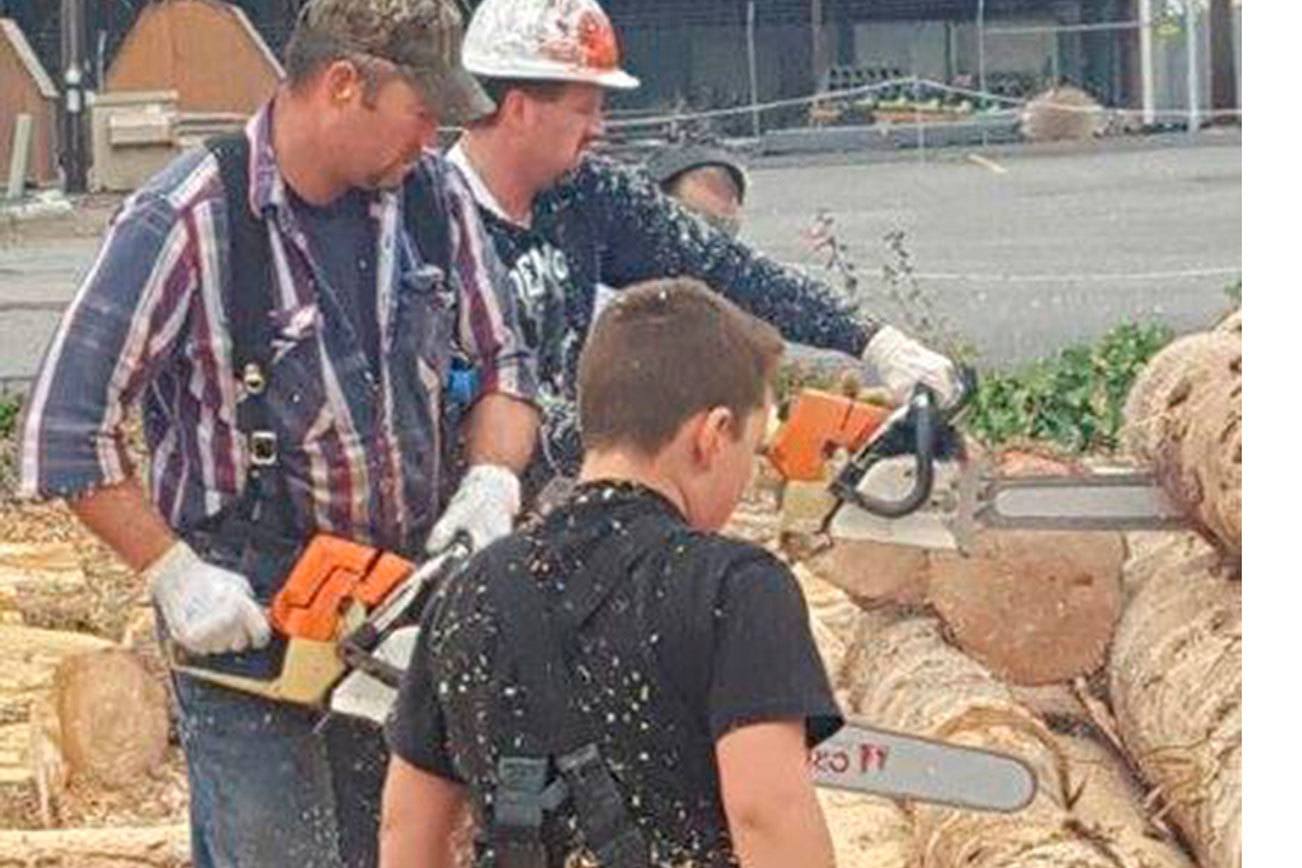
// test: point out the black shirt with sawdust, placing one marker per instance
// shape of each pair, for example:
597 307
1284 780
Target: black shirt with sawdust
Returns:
609 224
697 634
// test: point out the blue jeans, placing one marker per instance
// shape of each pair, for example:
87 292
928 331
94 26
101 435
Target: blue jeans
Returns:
272 788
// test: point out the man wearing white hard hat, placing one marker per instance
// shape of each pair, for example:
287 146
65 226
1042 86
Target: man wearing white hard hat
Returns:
565 223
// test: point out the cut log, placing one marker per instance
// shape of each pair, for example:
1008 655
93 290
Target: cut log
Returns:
873 573
113 716
910 679
834 620
1036 607
1063 113
135 847
53 568
1184 416
28 657
1108 800
1231 324
1176 685
43 585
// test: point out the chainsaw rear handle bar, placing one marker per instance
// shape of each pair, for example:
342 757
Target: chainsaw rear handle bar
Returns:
924 419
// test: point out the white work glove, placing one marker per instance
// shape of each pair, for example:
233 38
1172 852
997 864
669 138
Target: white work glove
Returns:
207 609
902 363
484 507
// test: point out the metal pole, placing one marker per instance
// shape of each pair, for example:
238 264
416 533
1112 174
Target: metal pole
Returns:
1146 61
1191 74
981 45
73 21
750 58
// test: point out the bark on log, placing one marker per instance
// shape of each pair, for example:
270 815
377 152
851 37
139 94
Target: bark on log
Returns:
1109 801
911 680
1176 685
128 847
113 716
1184 417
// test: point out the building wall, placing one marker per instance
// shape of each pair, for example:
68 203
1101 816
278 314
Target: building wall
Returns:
20 94
204 50
706 64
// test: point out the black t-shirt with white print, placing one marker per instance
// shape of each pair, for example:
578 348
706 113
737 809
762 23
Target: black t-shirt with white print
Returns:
608 225
698 635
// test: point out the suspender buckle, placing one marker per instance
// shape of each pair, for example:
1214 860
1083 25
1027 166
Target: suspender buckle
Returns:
255 381
263 448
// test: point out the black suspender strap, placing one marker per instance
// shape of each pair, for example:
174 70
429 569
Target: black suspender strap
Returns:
556 732
249 307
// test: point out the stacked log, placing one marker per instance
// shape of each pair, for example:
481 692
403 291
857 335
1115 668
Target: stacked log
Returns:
1185 418
912 680
123 847
1111 666
1176 684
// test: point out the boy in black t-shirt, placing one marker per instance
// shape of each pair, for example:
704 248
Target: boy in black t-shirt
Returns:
616 681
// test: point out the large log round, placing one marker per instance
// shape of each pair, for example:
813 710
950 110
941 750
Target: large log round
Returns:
1184 417
113 716
1176 685
1037 607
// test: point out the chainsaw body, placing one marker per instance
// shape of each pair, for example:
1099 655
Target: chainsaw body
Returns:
335 609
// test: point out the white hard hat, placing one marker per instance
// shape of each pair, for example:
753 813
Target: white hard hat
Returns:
546 40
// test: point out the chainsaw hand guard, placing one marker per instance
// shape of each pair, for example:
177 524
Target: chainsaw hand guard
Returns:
921 429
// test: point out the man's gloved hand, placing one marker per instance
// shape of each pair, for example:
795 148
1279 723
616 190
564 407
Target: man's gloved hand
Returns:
207 609
902 363
484 507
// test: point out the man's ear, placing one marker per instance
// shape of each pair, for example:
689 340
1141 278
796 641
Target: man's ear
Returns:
715 429
515 107
342 82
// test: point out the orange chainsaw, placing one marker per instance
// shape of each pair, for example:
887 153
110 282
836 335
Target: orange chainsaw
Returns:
855 470
340 611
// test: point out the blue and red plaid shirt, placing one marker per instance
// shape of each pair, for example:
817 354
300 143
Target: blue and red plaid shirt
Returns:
359 447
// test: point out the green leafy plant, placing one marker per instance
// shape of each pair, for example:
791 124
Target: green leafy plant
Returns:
1074 399
1234 292
10 407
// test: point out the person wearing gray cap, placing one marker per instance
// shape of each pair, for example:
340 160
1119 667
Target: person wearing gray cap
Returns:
706 178
284 301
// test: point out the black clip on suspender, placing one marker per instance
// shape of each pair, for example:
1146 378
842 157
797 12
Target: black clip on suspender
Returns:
522 798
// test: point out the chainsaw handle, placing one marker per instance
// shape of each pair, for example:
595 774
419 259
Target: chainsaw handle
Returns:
922 417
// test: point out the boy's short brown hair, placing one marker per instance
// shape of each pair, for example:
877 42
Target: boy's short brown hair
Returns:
663 351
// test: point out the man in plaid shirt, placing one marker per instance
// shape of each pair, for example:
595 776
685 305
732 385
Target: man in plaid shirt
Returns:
359 328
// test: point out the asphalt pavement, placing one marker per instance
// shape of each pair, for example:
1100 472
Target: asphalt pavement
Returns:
1022 249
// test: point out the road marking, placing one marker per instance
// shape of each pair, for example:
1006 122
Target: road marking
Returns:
987 163
1095 277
